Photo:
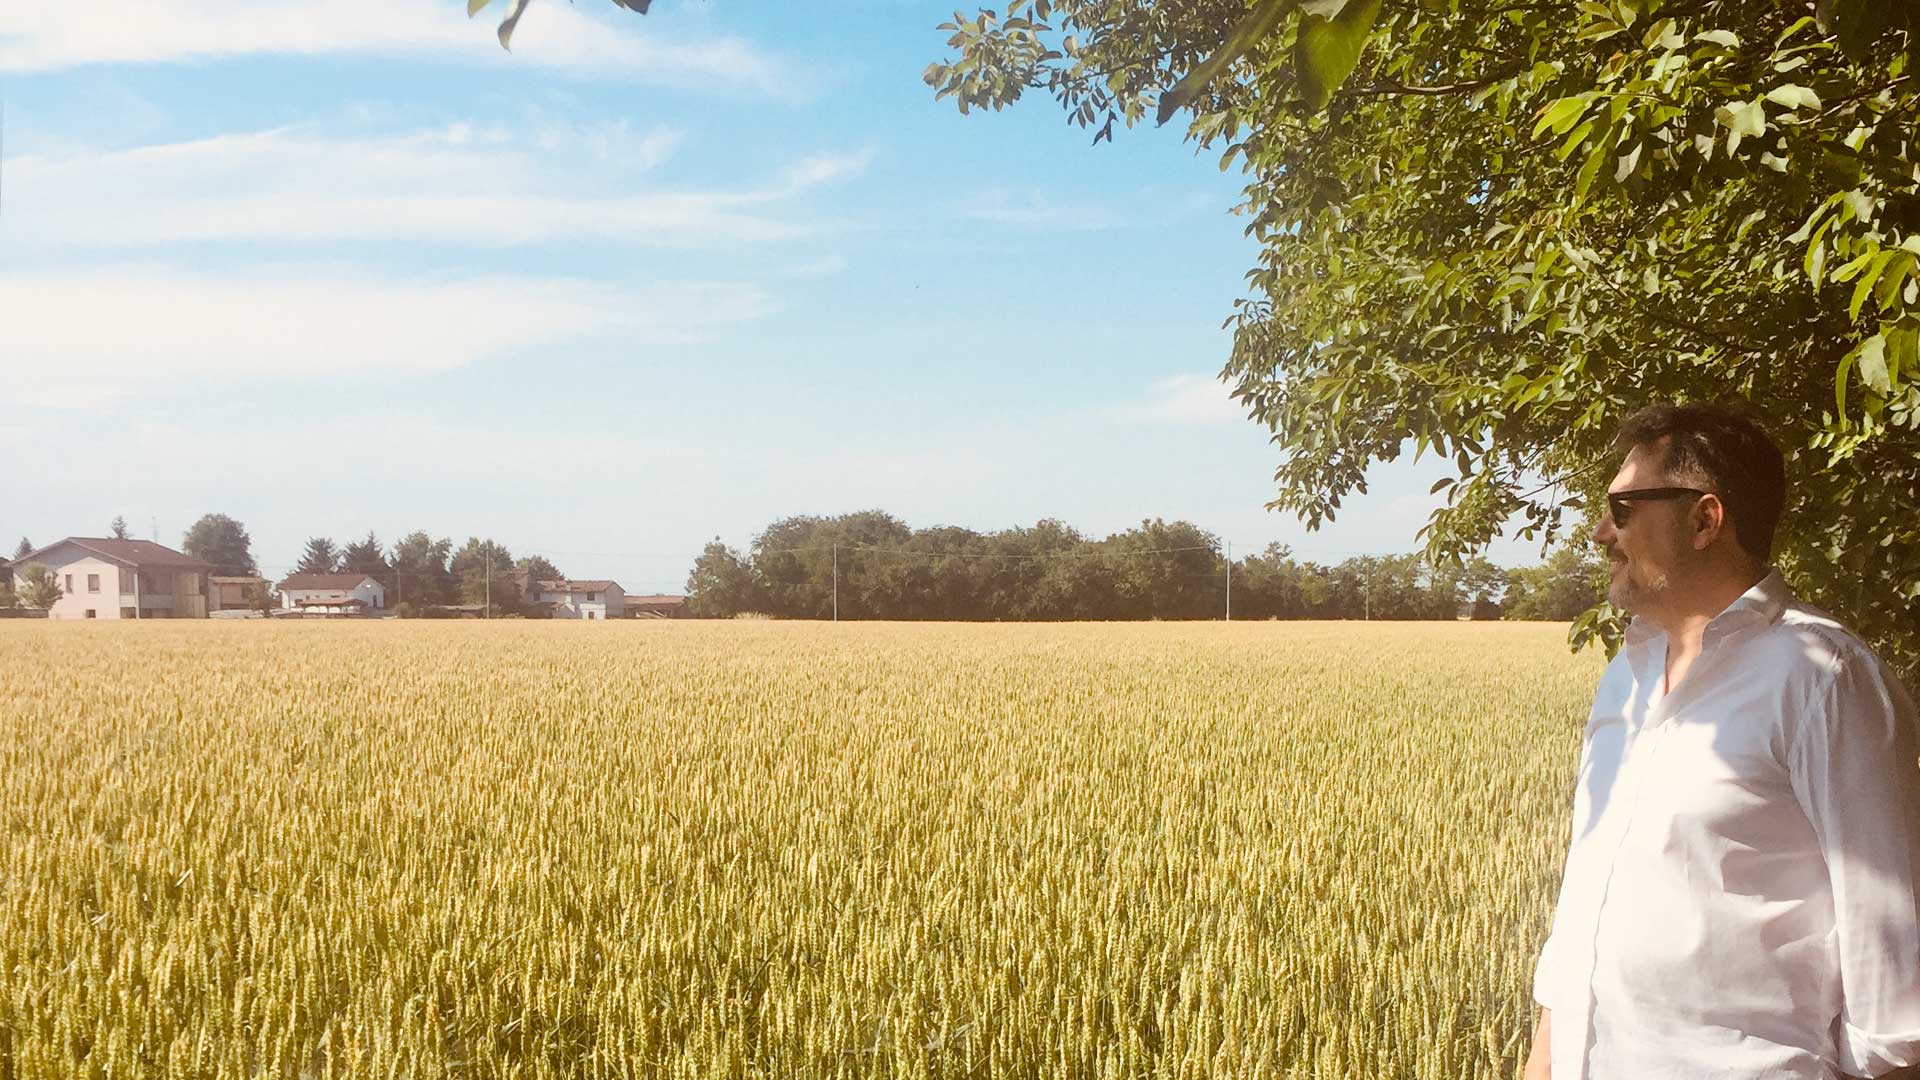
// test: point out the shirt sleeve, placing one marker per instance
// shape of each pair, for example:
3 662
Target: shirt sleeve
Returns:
1549 977
1856 771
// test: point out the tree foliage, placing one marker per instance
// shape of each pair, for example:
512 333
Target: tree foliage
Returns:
1050 572
367 557
39 586
223 542
483 571
118 530
1509 225
419 566
319 557
538 568
1571 581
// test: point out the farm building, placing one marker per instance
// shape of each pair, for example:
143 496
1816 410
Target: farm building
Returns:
106 578
303 589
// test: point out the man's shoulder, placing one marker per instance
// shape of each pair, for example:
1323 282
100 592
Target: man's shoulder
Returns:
1806 642
1818 659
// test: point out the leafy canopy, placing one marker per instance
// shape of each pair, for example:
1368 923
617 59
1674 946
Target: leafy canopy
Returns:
1491 229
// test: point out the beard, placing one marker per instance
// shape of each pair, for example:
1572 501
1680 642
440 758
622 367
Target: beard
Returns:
1635 593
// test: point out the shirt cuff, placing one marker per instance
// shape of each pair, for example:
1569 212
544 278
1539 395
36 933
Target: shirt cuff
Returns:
1865 1053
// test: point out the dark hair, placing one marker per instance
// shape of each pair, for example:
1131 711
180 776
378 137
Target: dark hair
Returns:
1727 448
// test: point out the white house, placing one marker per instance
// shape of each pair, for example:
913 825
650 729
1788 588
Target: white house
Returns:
581 599
105 578
331 591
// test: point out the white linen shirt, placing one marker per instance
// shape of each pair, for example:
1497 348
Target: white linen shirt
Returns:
1739 898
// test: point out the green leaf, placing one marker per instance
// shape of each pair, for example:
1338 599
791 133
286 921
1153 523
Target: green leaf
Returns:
1794 96
1560 116
1903 349
1602 151
1871 358
1864 287
1256 24
1327 50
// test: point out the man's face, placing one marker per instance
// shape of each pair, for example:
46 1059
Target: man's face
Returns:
1650 554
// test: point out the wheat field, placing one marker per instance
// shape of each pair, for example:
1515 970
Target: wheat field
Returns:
753 849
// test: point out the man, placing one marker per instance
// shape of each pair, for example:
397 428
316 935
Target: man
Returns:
1739 898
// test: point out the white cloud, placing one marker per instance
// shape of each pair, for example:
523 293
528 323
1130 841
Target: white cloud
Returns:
1188 399
1034 210
460 184
553 35
88 339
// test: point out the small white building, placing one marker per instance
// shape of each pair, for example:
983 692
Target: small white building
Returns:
331 590
105 578
581 599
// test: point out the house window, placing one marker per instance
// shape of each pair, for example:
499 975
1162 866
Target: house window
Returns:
90 613
69 583
93 582
129 613
593 597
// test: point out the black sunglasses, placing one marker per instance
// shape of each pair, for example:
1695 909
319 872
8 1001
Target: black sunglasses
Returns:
1620 503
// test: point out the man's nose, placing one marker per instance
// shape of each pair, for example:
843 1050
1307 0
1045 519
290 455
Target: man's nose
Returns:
1604 534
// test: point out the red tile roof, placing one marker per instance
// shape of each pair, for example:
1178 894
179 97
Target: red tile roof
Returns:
342 582
576 586
136 553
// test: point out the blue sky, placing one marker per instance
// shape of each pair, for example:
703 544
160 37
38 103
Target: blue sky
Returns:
332 268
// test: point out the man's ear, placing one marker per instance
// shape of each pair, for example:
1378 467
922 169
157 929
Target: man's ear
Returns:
1709 521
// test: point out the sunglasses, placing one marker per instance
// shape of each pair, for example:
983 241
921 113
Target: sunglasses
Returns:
1620 503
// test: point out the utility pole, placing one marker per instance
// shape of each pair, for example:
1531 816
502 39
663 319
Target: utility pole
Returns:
836 583
1229 581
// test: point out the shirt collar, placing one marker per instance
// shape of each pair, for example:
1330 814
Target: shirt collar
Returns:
1762 603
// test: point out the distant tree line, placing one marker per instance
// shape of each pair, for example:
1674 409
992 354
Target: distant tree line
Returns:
1050 572
886 570
421 573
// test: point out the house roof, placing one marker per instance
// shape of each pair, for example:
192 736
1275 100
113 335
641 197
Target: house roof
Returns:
577 586
659 599
134 553
325 581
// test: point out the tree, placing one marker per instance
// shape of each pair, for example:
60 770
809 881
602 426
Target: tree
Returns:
223 542
365 557
1572 580
320 557
517 8
23 549
1489 231
538 568
119 527
721 584
484 571
39 586
8 598
419 567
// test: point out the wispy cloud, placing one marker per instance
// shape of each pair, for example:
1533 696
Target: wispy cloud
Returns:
87 340
554 35
1184 399
1035 210
463 184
